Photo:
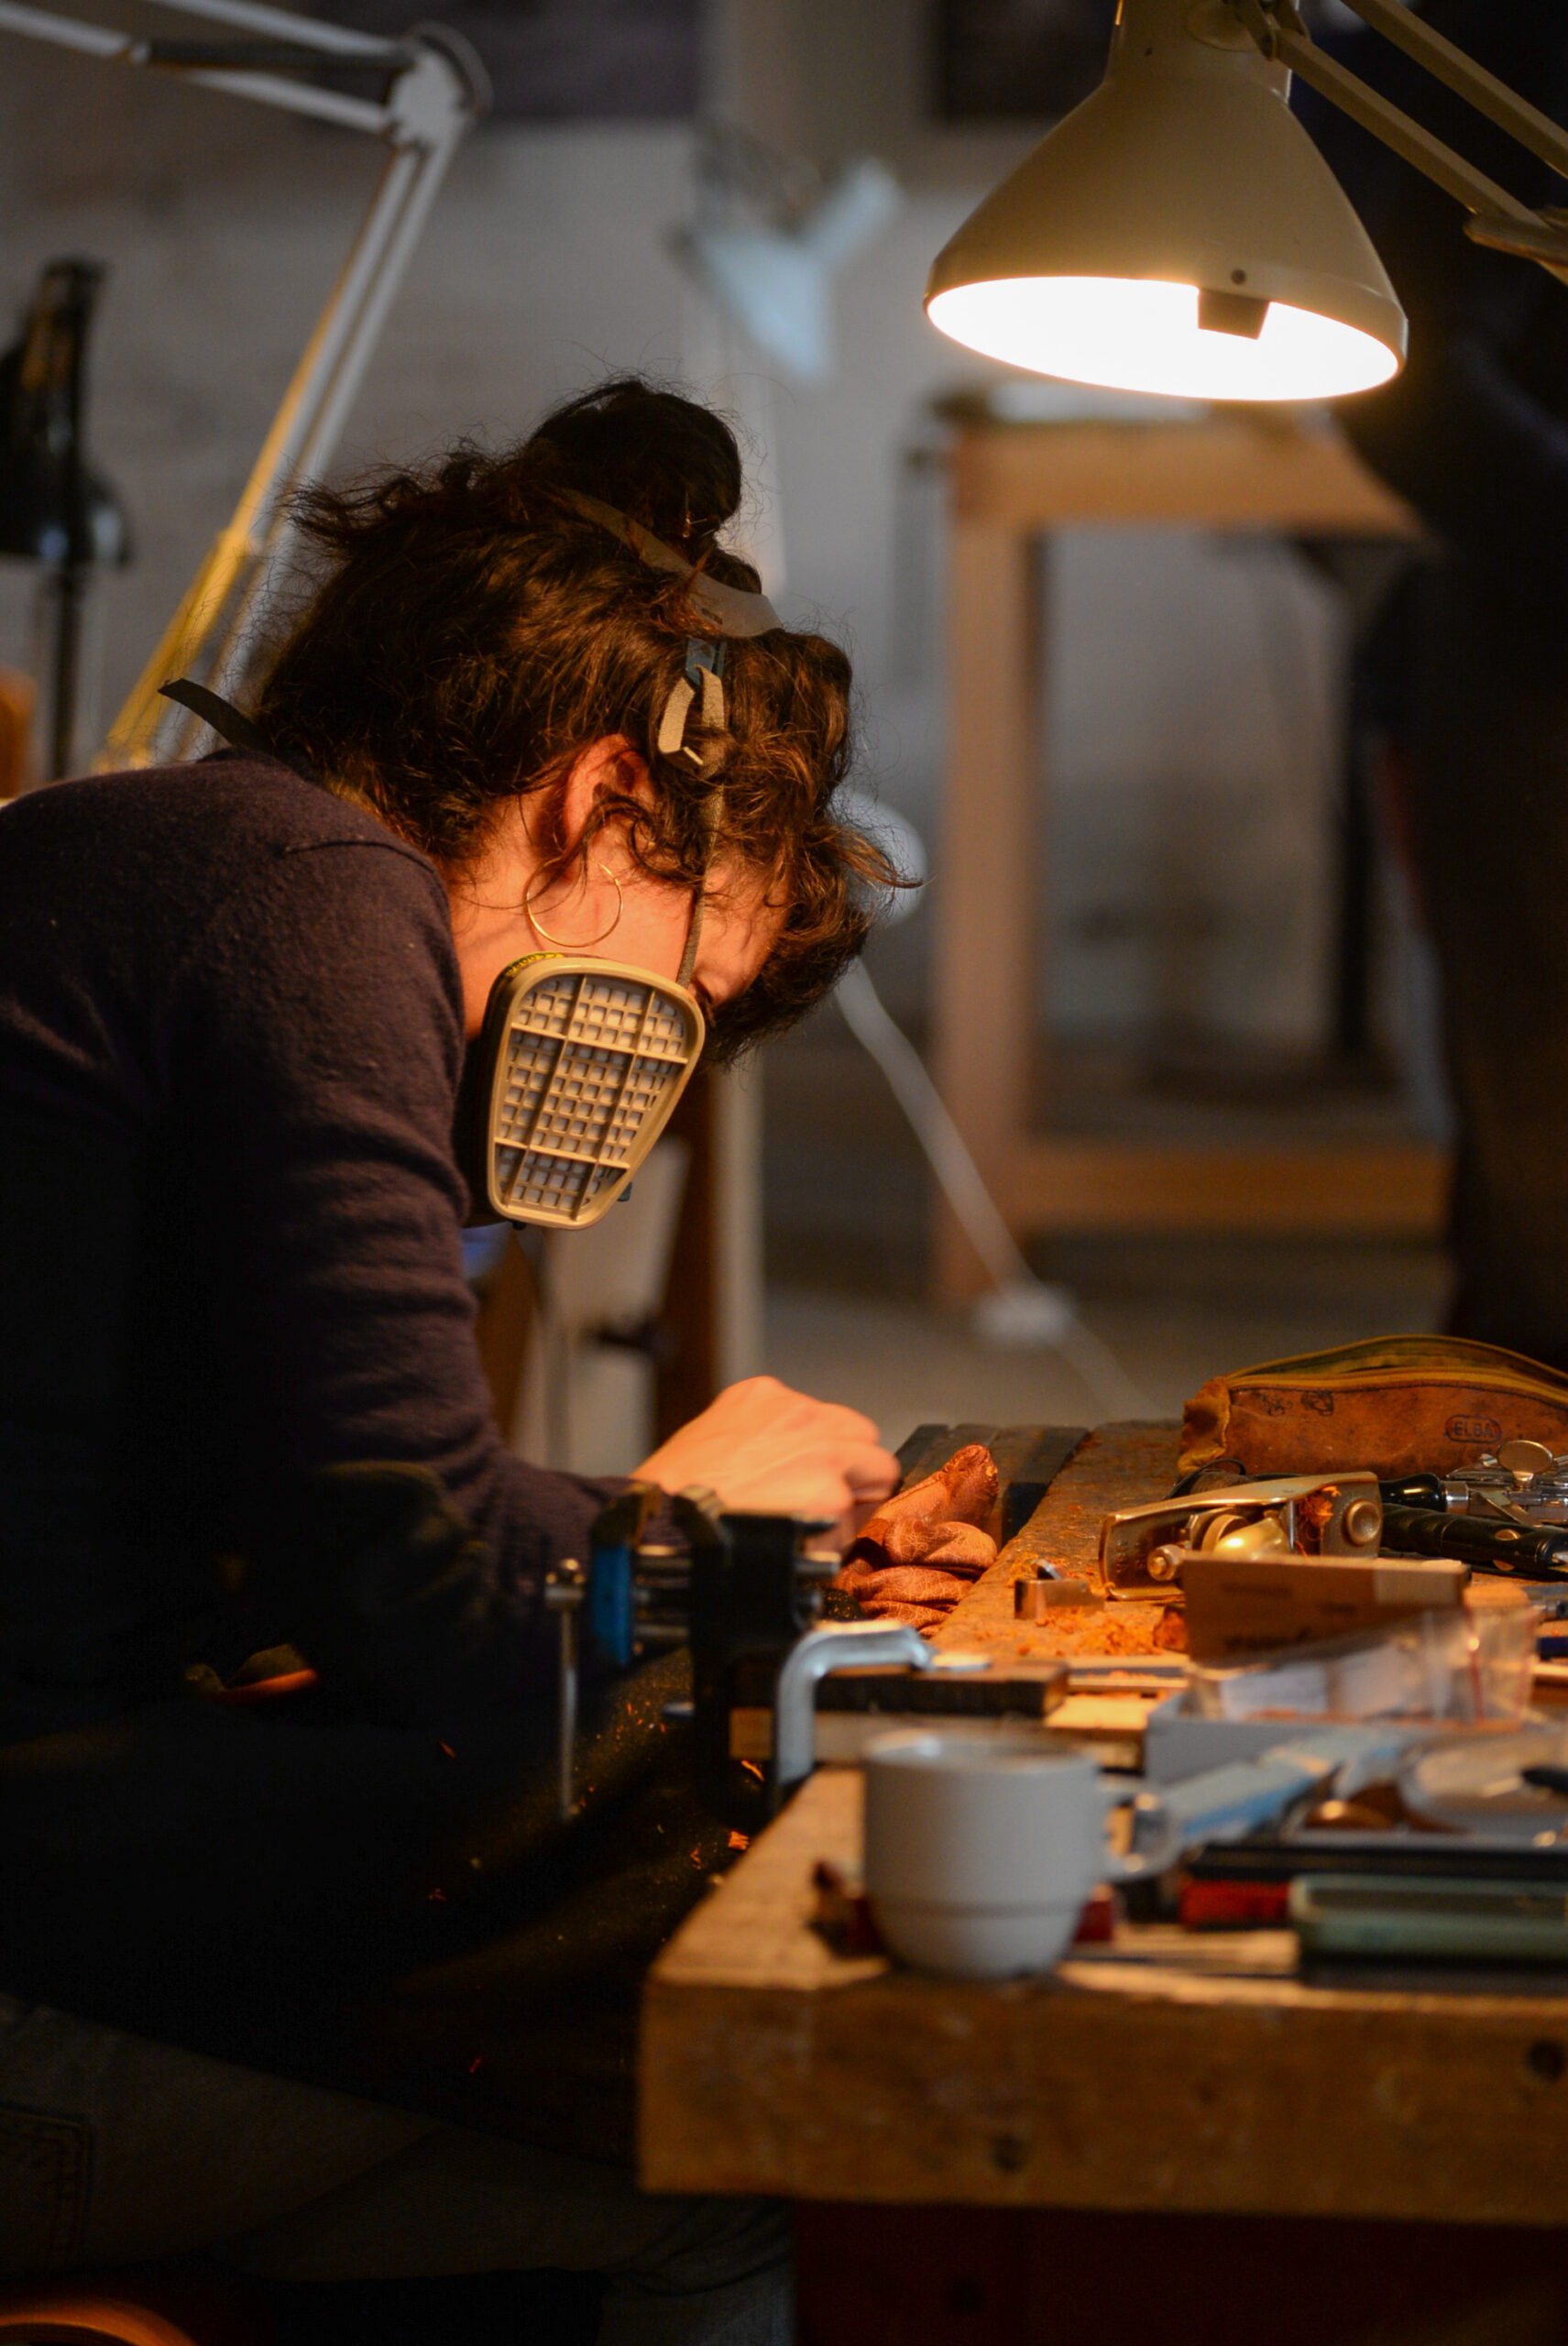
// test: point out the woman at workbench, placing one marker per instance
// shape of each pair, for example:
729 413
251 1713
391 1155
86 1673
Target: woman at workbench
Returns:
241 1407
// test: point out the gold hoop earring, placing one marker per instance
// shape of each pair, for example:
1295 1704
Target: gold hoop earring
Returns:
537 926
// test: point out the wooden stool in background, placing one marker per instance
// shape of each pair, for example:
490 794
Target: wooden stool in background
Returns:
71 2313
18 701
111 2309
1010 486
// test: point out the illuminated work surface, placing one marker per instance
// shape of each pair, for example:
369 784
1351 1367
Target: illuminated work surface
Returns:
1009 485
1169 2072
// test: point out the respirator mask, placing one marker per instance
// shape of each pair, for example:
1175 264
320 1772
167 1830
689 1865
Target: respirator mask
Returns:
581 1061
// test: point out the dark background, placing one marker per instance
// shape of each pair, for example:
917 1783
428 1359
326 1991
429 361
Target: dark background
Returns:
565 60
997 59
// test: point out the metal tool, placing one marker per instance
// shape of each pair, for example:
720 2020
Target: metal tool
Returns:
749 1593
744 1591
1036 1596
1508 1513
1304 1515
563 1592
1497 1541
846 1645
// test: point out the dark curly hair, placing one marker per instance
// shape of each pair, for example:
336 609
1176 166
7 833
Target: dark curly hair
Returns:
474 632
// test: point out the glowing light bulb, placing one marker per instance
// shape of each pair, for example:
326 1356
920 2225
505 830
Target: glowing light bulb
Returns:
1137 334
1176 233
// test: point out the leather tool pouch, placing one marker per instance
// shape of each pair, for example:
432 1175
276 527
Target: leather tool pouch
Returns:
1399 1405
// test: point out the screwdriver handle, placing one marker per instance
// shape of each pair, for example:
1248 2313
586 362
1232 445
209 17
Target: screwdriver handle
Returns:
1538 1551
1413 1490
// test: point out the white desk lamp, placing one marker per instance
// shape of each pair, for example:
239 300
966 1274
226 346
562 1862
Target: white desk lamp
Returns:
435 87
1179 231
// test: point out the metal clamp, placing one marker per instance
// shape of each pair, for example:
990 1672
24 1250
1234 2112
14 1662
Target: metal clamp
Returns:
564 1589
849 1645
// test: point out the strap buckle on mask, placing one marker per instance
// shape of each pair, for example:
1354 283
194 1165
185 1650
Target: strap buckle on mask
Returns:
731 611
703 674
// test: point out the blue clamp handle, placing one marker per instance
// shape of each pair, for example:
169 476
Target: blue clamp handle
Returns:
611 1593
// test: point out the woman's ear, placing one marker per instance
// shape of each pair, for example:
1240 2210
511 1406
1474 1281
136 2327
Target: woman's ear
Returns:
606 770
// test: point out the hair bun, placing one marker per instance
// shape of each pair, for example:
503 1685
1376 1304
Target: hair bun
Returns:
662 459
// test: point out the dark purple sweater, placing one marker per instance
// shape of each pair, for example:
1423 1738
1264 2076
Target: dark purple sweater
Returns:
240 1405
230 1217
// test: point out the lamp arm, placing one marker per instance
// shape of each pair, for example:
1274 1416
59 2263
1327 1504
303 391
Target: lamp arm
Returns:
284 25
220 612
437 87
1469 80
1498 219
208 66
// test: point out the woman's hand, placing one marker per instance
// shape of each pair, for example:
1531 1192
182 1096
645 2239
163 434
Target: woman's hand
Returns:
770 1451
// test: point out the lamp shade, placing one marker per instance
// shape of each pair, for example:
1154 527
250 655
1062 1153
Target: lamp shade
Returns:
1178 231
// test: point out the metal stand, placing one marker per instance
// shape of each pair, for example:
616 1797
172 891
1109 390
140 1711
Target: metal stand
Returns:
436 88
63 594
1497 220
563 1592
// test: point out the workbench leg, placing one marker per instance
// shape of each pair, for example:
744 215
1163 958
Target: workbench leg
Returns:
998 2276
986 893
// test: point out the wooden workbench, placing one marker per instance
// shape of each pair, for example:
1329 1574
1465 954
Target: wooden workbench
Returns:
1010 486
1118 1466
1162 2076
1161 2073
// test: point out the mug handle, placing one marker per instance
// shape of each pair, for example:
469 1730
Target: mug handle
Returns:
1219 1806
1154 1824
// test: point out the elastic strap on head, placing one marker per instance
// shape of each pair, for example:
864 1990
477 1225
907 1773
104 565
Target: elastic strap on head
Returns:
673 724
699 900
729 610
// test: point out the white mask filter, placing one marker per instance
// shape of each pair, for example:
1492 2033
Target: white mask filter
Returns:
583 1062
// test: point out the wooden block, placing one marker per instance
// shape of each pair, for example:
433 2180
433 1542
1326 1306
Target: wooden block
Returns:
1027 1458
1238 1608
930 1447
1028 1471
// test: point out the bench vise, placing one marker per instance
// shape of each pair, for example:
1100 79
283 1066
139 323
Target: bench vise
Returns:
746 1591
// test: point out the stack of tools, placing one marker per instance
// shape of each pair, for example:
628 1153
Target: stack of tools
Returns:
1365 1543
1450 1850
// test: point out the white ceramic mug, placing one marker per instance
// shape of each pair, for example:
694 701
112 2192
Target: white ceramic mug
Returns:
980 1853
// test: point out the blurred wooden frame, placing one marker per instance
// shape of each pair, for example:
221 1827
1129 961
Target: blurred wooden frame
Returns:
1009 486
508 1304
18 703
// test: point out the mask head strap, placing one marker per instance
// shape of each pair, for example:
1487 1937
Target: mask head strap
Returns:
715 808
728 611
731 611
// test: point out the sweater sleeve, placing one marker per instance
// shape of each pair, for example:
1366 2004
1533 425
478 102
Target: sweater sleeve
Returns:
320 1050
